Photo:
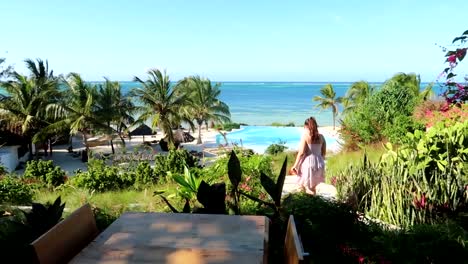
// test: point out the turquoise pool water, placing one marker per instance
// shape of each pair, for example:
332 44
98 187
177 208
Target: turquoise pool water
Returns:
259 138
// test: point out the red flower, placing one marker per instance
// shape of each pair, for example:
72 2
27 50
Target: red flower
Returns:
420 203
361 259
452 59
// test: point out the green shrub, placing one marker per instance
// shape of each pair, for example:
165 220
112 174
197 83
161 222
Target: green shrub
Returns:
425 181
14 191
228 126
101 177
174 162
45 171
144 175
277 124
345 238
104 217
2 170
275 149
386 114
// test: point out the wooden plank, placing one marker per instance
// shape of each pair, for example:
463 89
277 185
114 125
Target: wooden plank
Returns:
175 238
67 238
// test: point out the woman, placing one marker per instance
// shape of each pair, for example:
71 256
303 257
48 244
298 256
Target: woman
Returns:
310 165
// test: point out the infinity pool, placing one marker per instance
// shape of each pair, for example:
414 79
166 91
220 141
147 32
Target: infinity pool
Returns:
259 138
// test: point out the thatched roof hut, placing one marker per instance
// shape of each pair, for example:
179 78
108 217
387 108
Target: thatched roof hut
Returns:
142 130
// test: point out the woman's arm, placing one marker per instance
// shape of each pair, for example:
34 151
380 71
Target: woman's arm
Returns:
324 146
300 152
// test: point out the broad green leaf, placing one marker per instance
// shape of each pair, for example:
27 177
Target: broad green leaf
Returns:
234 170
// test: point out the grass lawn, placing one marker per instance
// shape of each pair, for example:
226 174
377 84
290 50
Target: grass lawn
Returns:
114 201
340 161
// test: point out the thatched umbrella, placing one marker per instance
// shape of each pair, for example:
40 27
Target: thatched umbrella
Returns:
142 130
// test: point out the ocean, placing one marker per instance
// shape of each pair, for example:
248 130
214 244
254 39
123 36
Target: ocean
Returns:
262 103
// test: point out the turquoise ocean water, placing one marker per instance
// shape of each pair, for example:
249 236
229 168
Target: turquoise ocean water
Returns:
262 103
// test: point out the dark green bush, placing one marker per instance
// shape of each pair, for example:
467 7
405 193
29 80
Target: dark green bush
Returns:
144 175
101 177
386 114
45 171
228 126
275 149
174 162
104 217
14 191
2 170
333 232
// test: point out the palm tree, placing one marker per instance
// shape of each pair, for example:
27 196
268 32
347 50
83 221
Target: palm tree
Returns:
357 94
328 100
113 110
204 104
4 71
76 111
162 103
28 98
411 83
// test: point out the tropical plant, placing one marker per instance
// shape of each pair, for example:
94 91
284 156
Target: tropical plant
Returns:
100 178
113 110
357 94
4 71
386 114
161 103
328 100
28 97
188 184
456 91
75 112
45 171
276 148
424 181
203 102
14 191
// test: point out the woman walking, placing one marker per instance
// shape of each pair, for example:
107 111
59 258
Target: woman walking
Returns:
310 161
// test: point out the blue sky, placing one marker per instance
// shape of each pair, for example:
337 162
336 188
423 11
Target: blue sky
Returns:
233 40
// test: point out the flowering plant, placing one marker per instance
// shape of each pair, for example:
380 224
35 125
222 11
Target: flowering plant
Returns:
456 93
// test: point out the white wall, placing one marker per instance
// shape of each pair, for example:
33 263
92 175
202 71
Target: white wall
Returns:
9 157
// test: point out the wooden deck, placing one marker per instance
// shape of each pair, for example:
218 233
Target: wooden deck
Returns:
180 238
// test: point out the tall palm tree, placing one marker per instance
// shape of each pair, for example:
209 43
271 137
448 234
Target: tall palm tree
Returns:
76 111
328 100
28 98
412 83
4 71
357 94
204 103
113 110
162 103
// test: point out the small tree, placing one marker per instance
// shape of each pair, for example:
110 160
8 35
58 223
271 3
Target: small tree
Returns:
328 100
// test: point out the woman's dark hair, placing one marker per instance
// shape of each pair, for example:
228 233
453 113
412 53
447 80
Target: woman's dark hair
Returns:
311 124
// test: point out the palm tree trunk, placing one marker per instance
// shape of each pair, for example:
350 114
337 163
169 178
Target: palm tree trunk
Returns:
112 146
334 116
200 123
111 140
30 149
50 147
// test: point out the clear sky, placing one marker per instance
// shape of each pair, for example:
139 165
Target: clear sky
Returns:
227 40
